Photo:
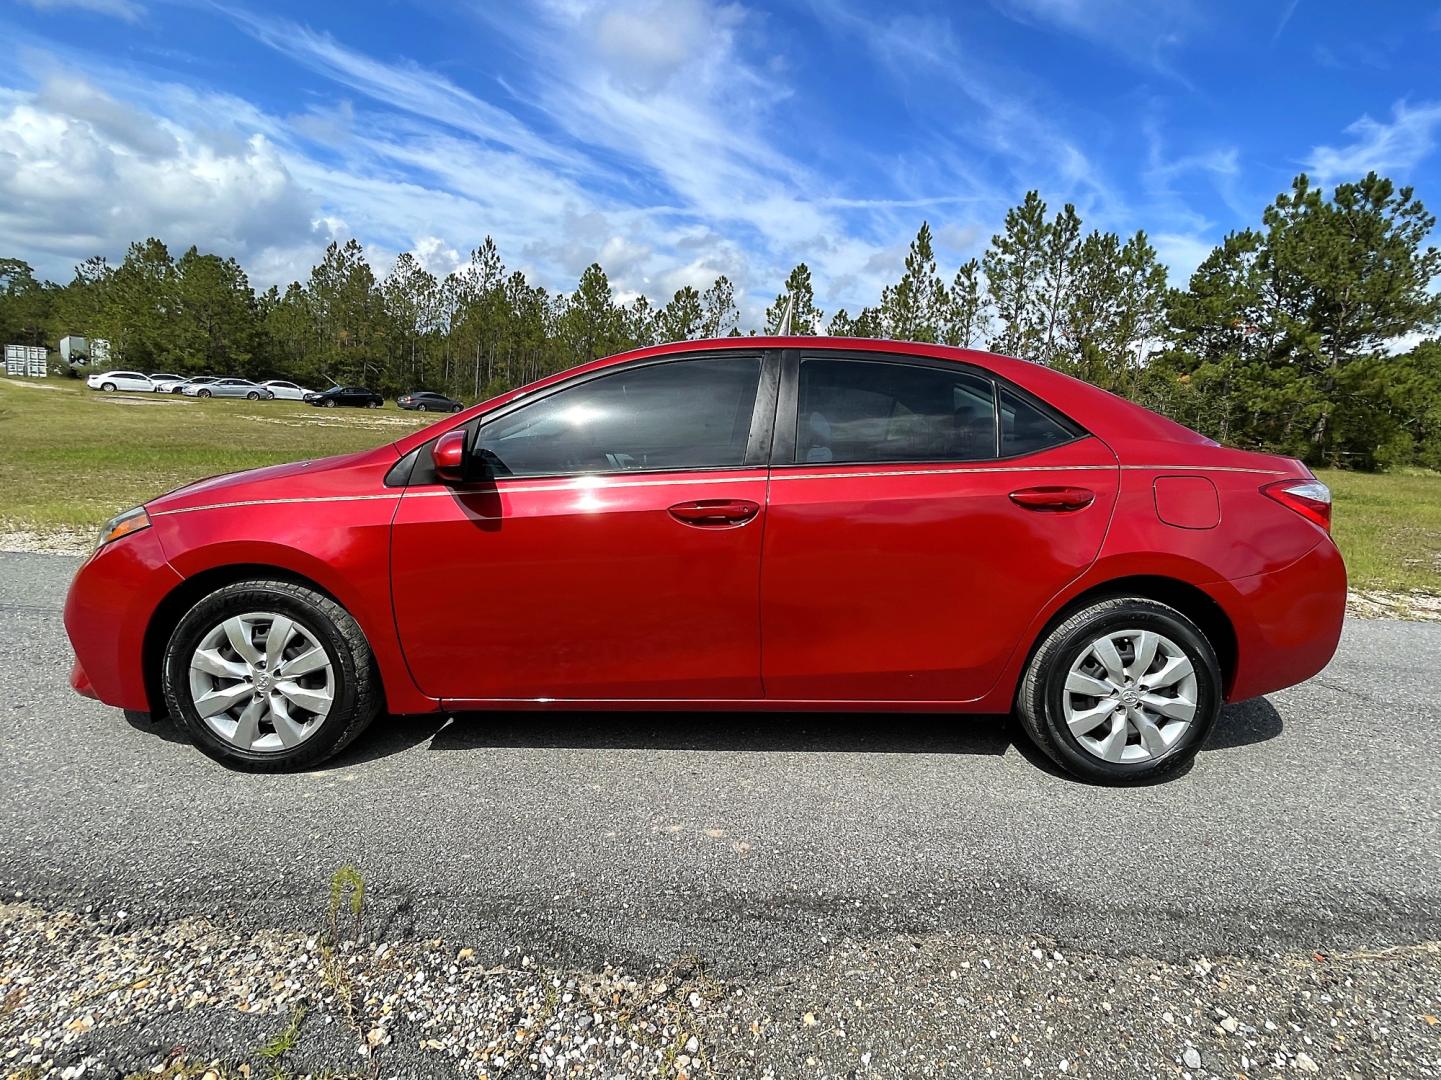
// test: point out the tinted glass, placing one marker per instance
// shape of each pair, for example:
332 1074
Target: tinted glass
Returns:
1026 429
864 410
687 414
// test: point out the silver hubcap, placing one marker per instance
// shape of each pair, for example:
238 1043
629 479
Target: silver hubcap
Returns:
261 681
1130 695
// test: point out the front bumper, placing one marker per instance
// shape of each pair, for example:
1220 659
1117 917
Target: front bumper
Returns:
107 611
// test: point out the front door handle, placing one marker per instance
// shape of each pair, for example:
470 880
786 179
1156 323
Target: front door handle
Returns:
711 513
1054 499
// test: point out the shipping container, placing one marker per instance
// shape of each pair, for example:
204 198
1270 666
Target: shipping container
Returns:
27 360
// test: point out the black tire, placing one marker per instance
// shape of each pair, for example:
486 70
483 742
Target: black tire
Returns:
422 408
330 403
108 387
1040 701
373 405
357 699
254 395
455 408
202 393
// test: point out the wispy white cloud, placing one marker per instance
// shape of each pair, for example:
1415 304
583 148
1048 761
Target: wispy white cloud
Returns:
1144 31
128 10
1400 145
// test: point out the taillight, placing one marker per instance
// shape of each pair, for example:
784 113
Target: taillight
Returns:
1309 498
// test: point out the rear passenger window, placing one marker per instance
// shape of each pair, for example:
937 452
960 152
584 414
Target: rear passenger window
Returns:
1026 428
867 411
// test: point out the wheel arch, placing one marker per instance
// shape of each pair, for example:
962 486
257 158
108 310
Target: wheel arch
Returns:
189 592
1194 603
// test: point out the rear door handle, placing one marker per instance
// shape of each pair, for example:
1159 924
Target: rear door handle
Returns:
711 513
1053 498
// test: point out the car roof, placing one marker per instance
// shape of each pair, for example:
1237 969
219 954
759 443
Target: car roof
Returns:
1106 415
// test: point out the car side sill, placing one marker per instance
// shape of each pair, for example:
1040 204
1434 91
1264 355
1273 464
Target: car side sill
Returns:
703 705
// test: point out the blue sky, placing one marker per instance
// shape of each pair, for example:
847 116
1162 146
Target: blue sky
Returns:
675 141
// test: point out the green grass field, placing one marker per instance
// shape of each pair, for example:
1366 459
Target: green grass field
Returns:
70 458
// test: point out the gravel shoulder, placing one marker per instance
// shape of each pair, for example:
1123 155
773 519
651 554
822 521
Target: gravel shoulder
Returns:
86 995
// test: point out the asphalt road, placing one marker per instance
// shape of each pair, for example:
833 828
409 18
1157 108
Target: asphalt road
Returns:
1312 820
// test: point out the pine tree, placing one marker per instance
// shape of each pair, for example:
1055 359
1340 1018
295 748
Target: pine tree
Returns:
682 318
914 309
140 308
1014 266
216 321
719 312
805 317
1058 266
590 324
967 308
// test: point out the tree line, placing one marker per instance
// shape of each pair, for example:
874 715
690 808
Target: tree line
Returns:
1282 340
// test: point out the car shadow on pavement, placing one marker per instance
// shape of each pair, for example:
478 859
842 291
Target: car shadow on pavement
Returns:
721 731
1242 724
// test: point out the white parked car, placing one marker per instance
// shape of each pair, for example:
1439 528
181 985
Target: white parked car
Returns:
287 391
241 388
176 383
162 379
110 381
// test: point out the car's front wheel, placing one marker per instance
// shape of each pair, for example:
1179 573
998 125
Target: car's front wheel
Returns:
270 676
1122 691
330 403
422 408
202 393
254 395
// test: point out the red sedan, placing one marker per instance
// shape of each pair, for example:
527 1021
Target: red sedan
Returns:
768 523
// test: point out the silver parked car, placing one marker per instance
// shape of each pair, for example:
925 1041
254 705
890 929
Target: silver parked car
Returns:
180 382
288 391
241 388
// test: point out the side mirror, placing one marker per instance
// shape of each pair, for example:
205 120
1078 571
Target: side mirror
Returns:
448 456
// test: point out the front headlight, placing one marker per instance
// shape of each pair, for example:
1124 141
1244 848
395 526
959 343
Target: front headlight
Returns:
123 525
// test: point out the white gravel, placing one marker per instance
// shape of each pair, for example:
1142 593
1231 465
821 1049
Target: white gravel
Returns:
90 995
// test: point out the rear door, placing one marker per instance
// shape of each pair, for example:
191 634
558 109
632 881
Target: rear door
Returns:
614 553
920 514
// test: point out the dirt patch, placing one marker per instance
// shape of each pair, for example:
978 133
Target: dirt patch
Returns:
159 399
1383 604
49 541
325 419
31 385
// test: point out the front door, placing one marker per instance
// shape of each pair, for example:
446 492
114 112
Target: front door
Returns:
615 552
898 566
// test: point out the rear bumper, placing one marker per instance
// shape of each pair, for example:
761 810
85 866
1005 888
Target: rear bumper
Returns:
1287 622
106 614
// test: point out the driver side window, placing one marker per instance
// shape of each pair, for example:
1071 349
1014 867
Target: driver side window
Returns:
681 414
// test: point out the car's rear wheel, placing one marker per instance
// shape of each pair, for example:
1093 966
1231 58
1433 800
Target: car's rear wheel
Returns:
109 387
270 676
1122 691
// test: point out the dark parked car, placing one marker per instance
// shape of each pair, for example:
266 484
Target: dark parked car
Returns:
356 396
426 401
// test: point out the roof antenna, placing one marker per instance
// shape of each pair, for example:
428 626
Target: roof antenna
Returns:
785 327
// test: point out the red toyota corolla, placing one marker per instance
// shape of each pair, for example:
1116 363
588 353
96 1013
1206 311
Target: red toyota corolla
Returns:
764 523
